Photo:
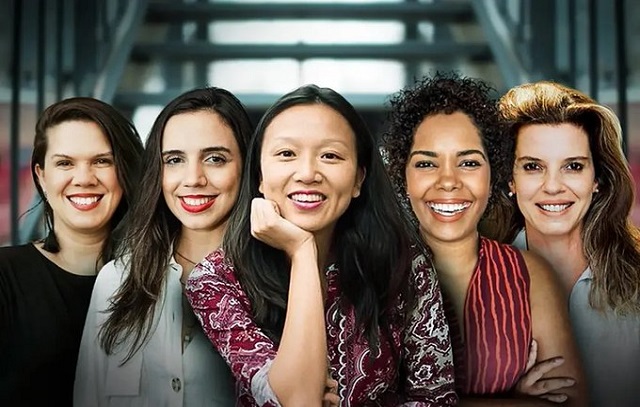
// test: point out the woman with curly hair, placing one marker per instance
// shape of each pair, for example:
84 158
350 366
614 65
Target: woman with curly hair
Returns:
574 202
444 151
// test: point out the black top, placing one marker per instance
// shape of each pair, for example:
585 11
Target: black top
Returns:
42 313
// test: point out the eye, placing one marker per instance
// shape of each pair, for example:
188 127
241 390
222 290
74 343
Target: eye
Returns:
531 167
63 163
216 159
424 164
285 153
470 163
103 162
173 160
575 166
331 156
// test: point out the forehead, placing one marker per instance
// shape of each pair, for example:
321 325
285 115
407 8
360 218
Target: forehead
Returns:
546 141
77 138
447 130
199 129
309 122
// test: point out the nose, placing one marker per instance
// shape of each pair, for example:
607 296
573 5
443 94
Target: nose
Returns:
195 176
448 179
307 171
84 175
553 182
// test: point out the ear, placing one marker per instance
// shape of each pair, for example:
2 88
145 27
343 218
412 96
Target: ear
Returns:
512 187
595 186
40 173
360 176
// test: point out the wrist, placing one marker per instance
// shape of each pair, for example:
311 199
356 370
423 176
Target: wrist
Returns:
305 251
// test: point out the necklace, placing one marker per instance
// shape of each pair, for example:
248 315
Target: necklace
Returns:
185 258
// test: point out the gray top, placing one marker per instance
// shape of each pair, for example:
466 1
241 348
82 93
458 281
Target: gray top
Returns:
610 349
609 346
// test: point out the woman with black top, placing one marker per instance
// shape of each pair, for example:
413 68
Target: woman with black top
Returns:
84 165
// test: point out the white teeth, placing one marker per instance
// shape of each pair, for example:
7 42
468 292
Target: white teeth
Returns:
555 208
446 209
307 197
84 201
197 201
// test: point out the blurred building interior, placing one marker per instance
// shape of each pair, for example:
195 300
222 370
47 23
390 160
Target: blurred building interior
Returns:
139 54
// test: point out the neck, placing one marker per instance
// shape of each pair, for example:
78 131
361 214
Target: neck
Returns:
324 240
454 261
194 245
563 252
79 252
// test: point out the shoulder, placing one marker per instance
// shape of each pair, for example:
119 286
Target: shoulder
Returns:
215 265
17 254
545 287
21 263
215 272
109 279
502 256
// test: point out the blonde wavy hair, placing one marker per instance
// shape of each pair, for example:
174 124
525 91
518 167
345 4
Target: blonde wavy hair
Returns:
610 241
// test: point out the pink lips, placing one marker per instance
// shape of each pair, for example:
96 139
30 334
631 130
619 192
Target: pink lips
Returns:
196 208
317 199
91 201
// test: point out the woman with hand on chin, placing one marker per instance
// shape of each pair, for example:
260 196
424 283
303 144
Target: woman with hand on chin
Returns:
142 345
444 153
84 167
571 197
314 283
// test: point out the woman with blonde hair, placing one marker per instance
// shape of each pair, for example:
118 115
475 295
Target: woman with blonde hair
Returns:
571 196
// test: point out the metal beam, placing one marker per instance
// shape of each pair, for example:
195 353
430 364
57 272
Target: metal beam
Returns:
440 11
109 75
501 43
250 100
413 50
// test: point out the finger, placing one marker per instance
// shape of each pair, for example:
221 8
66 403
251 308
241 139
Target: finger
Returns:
331 383
332 398
551 385
555 398
540 369
264 216
533 354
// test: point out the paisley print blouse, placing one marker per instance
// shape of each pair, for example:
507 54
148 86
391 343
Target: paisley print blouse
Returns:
412 367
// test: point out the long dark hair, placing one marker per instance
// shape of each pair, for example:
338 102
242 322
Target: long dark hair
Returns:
127 151
610 242
369 241
154 228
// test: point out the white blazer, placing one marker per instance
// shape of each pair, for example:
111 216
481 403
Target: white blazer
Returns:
159 374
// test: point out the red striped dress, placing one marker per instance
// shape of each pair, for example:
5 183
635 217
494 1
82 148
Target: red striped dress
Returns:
497 323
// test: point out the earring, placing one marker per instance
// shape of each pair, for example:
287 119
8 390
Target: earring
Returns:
510 194
595 191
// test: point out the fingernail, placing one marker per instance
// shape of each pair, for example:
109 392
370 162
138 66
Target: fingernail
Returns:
571 382
558 360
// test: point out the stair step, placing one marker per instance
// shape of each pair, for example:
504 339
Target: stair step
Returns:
406 51
449 11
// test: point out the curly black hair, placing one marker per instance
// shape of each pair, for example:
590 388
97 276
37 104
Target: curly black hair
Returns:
447 93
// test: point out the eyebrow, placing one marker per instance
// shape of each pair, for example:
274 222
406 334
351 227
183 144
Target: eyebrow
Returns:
462 153
68 157
534 159
216 149
296 140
